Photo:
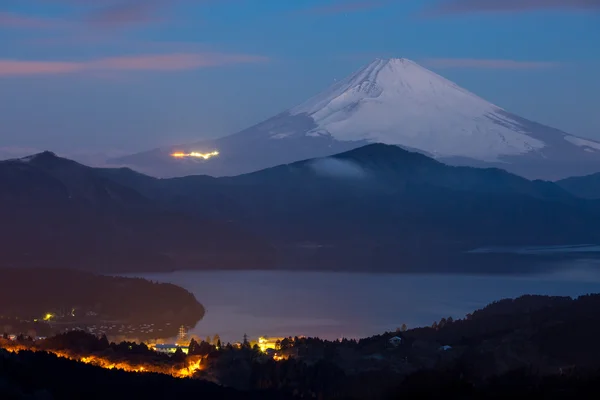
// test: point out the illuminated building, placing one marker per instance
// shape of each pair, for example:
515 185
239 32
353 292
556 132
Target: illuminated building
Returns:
182 338
182 332
170 348
269 343
278 357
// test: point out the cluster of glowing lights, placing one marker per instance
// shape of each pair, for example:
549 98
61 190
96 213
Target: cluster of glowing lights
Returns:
195 154
278 357
192 366
269 343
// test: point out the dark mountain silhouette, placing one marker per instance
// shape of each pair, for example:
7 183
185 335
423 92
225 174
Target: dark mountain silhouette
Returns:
380 205
58 213
376 207
38 375
583 186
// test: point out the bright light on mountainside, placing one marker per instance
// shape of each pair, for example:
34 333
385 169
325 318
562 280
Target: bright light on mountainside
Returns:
194 154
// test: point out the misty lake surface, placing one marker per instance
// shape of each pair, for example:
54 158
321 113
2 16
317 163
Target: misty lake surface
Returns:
333 305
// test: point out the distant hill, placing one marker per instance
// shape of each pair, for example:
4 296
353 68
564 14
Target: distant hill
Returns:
583 186
80 299
380 205
58 213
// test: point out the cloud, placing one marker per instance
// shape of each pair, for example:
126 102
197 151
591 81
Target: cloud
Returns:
471 6
153 62
114 13
336 168
117 43
488 63
125 13
15 67
100 13
106 13
14 20
345 7
172 62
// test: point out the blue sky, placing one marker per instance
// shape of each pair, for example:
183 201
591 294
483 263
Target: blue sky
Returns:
118 76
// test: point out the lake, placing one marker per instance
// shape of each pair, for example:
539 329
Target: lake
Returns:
353 305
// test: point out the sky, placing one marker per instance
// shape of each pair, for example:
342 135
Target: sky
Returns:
112 77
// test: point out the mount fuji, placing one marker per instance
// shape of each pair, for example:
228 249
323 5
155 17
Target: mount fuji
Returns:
390 101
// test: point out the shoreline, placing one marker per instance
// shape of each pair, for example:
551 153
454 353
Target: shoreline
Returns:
535 265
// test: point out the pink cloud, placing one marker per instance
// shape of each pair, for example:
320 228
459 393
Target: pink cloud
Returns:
14 20
488 63
98 13
467 6
113 13
125 13
14 67
171 62
346 7
154 62
117 43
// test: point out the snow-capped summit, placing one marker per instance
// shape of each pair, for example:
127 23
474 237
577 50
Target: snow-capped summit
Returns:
396 101
391 101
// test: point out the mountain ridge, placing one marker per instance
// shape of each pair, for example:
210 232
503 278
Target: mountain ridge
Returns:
364 209
57 212
582 186
382 204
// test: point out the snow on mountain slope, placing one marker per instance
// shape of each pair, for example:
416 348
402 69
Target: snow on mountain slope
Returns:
590 145
399 102
391 101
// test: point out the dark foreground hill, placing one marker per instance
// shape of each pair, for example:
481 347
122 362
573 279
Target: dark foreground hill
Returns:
43 376
529 347
58 213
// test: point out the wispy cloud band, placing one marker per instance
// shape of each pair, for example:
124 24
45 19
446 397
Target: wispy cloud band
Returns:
488 63
342 7
154 62
125 13
471 6
18 21
97 13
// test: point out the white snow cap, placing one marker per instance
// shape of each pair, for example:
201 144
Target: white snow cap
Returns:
396 101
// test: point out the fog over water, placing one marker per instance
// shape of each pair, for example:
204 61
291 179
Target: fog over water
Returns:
333 305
